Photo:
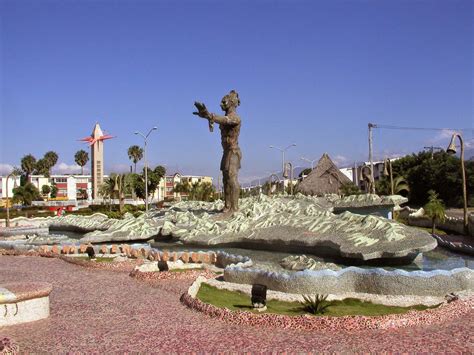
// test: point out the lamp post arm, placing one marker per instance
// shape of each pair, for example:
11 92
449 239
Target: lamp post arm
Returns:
140 134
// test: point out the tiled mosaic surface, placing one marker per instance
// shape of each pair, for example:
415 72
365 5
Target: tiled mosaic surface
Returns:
102 311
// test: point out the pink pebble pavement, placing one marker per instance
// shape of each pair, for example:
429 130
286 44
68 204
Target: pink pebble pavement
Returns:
99 311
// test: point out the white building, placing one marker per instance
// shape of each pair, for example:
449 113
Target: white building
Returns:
79 187
12 183
355 175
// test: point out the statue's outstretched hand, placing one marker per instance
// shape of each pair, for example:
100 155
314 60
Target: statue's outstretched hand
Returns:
202 110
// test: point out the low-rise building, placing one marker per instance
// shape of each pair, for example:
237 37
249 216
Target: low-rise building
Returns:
166 190
354 173
79 187
12 183
70 187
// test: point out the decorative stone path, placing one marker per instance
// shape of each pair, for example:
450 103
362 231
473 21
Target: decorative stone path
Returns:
102 311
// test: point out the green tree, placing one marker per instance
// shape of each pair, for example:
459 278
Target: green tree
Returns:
400 186
45 190
122 185
182 187
54 191
434 209
135 154
51 158
81 158
202 191
26 194
154 177
442 173
160 171
42 168
106 189
28 165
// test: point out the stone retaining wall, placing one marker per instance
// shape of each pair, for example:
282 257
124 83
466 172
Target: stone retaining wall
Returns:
451 224
220 258
353 279
134 253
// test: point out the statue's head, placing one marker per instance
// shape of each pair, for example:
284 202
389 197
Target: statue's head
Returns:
230 100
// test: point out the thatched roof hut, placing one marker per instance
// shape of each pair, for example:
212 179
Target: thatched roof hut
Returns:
325 178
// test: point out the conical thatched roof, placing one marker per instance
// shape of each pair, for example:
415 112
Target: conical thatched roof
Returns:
325 178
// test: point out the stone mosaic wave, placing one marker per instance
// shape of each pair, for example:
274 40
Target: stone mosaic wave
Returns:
301 224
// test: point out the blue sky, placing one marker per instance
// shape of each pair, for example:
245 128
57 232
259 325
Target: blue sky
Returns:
309 72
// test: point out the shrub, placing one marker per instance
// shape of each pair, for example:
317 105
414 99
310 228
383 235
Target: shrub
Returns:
316 305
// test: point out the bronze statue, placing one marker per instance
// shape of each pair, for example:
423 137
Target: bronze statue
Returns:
366 173
230 130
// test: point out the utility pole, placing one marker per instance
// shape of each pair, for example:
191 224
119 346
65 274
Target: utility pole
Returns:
432 148
371 125
145 138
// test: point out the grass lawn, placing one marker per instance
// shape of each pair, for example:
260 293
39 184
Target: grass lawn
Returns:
238 301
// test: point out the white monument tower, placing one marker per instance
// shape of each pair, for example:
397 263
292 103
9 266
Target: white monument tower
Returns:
96 142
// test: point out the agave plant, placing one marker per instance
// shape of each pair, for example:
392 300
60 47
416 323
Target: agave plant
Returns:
316 304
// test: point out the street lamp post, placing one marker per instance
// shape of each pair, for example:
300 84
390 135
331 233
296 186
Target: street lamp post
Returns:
7 222
283 150
309 161
145 138
452 150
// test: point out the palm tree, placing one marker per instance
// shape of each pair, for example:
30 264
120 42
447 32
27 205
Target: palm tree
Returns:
106 190
81 158
135 154
399 185
42 168
434 209
183 187
28 165
51 158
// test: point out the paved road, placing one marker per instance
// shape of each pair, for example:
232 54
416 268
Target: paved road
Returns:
105 311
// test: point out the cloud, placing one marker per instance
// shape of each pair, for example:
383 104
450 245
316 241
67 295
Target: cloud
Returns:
120 168
5 169
442 138
340 160
63 168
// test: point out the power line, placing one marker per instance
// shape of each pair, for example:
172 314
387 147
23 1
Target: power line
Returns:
375 125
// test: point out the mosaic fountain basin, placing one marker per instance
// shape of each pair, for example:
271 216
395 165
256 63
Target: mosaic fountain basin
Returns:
298 224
